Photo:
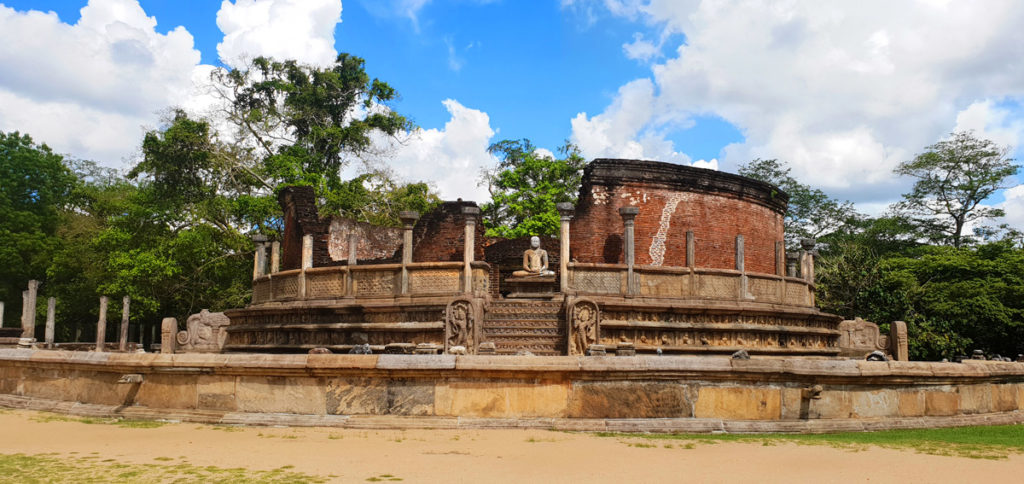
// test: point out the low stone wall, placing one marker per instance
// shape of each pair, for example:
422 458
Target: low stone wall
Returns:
581 393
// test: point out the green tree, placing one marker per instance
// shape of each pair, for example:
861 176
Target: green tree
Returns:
954 177
811 212
525 186
34 187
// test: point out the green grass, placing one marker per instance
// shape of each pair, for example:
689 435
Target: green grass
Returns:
994 442
120 422
46 468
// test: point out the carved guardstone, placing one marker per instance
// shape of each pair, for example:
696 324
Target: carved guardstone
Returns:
858 338
584 318
460 324
204 332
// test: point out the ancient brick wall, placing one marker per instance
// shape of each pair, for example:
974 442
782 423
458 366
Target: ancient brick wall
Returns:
377 244
300 218
673 199
439 236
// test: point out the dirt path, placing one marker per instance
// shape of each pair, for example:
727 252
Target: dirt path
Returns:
491 456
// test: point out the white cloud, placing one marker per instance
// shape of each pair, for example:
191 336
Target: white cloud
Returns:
283 29
1013 206
89 88
450 158
641 49
842 91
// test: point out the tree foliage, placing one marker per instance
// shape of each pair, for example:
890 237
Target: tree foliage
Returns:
954 177
526 185
811 212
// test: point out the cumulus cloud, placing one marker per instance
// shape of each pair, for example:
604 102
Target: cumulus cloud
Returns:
284 29
842 91
89 88
449 158
640 48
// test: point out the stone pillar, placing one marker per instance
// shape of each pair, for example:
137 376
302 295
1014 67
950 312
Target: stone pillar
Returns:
408 218
353 245
468 252
168 332
101 325
780 258
123 340
259 263
807 260
51 309
1 314
565 210
628 215
275 257
739 254
28 311
307 251
792 264
691 250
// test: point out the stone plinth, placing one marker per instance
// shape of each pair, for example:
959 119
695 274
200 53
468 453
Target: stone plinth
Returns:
534 287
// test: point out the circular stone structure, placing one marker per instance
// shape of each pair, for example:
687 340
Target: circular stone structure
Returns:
654 258
673 200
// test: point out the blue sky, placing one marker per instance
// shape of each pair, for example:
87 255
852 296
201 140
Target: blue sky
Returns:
843 92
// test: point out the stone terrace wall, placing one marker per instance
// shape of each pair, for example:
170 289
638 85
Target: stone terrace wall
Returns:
696 394
673 199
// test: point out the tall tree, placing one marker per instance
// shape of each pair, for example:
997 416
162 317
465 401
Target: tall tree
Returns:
525 186
811 212
34 188
954 177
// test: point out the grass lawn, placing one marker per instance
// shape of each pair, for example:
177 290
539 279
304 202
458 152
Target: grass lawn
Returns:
995 442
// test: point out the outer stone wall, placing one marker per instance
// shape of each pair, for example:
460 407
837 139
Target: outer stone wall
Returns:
674 199
696 394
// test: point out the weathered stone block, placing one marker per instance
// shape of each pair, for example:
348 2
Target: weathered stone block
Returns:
975 398
216 392
502 399
941 403
597 399
911 403
791 403
875 403
167 391
368 396
832 403
739 403
280 395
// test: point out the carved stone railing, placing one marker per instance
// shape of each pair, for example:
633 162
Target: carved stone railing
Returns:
368 281
687 283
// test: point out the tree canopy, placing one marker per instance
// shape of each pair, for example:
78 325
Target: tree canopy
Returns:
525 186
954 177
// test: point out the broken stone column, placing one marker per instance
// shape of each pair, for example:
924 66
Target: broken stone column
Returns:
807 259
1 314
275 257
168 333
741 266
259 260
101 325
628 215
28 311
739 253
51 309
691 250
353 244
565 210
307 262
123 340
408 218
792 264
470 214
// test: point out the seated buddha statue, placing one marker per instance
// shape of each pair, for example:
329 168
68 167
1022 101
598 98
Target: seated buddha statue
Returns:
535 261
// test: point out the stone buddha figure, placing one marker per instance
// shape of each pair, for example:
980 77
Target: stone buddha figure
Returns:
535 261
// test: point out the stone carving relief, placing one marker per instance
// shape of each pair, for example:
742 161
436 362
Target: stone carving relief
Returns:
584 319
460 319
204 332
858 337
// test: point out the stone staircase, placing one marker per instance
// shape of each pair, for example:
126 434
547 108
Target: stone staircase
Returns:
530 325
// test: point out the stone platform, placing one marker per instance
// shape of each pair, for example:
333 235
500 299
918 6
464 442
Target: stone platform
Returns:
628 393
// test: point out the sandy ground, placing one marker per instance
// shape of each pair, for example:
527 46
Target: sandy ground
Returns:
491 456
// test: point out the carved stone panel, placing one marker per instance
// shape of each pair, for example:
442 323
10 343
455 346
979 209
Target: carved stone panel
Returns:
286 287
261 291
663 285
460 324
325 286
858 337
584 320
717 286
434 280
204 332
598 282
374 283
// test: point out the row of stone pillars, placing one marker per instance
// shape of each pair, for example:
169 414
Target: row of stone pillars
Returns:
28 319
805 257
